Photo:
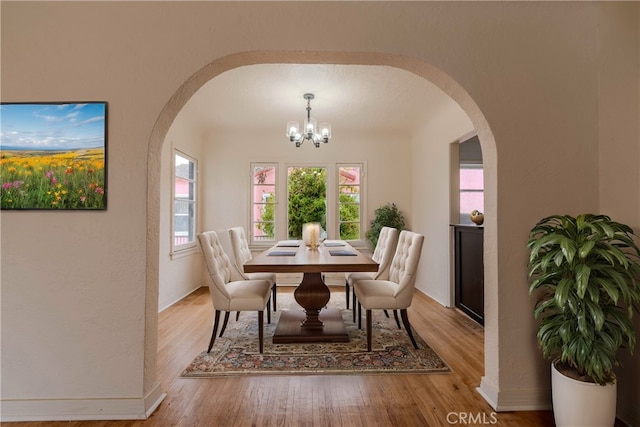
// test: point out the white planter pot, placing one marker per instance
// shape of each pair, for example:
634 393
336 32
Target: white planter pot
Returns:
580 404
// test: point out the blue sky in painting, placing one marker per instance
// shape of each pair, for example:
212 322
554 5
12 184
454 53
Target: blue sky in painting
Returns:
52 126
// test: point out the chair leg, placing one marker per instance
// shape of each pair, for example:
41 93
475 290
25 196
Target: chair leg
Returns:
237 316
407 326
260 330
268 312
224 323
369 327
353 303
386 313
395 314
215 329
359 315
346 288
273 291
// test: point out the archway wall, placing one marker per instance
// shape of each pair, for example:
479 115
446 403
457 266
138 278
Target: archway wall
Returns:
525 73
619 186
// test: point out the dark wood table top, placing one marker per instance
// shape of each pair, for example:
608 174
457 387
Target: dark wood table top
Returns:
305 260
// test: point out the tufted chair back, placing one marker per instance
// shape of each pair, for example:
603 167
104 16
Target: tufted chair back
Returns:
384 251
240 246
404 266
219 268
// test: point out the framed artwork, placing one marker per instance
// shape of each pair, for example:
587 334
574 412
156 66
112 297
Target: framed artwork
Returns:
53 155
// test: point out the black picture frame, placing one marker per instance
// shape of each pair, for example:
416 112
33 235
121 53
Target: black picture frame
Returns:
53 155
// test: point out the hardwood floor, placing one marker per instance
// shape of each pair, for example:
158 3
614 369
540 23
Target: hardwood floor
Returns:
320 400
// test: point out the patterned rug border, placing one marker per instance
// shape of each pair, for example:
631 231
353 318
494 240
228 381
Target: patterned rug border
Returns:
236 353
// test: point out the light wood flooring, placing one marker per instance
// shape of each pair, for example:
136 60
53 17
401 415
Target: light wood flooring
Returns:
320 400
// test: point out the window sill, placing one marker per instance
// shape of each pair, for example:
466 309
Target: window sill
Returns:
182 253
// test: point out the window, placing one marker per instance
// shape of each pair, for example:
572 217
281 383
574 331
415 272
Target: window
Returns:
471 178
471 190
349 191
184 202
308 192
307 198
263 212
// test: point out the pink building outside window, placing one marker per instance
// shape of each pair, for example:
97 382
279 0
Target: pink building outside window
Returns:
471 191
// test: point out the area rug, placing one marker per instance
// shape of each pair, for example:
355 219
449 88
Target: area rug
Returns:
236 352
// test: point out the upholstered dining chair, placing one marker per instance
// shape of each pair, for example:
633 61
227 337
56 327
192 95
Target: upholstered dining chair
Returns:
396 293
382 254
242 254
230 292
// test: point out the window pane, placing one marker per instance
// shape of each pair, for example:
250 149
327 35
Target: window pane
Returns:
264 178
263 230
184 206
349 230
349 190
471 191
183 226
470 200
307 198
264 175
471 178
349 175
349 212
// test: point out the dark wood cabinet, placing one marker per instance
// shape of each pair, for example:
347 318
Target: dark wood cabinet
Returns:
469 270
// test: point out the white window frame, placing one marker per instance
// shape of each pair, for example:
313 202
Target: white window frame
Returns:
178 250
362 199
252 239
282 199
464 216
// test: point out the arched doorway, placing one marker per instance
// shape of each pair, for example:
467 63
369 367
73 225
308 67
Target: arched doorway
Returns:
422 69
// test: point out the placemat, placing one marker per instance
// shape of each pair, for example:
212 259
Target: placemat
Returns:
342 252
281 253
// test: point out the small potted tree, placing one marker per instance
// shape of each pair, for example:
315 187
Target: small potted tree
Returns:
584 273
385 216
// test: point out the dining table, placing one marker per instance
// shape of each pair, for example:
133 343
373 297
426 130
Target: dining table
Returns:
315 322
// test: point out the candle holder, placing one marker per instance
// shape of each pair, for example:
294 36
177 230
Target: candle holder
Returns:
311 234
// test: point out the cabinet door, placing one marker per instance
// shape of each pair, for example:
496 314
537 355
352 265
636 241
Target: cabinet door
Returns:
469 271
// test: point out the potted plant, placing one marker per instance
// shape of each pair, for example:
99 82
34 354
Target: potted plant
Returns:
584 272
385 216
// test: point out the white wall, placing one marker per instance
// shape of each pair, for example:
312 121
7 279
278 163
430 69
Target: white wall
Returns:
431 198
74 290
226 169
181 274
619 187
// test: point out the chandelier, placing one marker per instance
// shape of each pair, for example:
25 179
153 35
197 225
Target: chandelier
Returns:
310 130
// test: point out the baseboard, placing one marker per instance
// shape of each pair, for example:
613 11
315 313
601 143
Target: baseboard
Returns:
161 309
153 399
81 409
515 399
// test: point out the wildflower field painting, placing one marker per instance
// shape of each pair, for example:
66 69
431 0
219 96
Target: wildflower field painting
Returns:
53 155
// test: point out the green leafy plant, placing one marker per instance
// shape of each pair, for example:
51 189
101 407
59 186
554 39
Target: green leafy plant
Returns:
385 216
585 273
307 199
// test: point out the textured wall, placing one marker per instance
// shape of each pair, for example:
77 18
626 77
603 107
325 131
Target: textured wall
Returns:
73 290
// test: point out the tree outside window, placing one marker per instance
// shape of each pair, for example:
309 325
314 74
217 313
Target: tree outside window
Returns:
307 199
349 190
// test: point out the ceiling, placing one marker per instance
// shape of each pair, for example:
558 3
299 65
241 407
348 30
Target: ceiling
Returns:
350 97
